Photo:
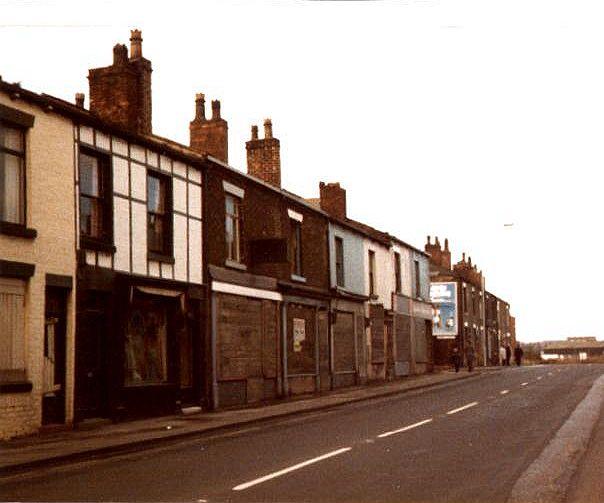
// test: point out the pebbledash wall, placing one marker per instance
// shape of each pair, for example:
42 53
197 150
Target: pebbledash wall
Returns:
50 212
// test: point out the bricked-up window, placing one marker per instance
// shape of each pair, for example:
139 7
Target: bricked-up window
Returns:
95 198
12 174
159 214
233 227
417 286
296 246
12 330
371 273
340 281
397 272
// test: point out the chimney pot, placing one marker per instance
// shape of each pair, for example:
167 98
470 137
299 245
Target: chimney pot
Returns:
79 100
254 132
215 110
200 107
268 128
120 55
136 44
429 240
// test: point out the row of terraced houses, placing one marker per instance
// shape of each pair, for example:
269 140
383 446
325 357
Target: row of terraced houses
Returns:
139 276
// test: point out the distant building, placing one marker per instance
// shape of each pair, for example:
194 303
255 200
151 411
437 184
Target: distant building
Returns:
573 349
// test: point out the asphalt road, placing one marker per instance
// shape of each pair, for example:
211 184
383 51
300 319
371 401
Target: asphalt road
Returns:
463 442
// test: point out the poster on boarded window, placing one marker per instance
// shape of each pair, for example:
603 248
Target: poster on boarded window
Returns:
299 333
444 298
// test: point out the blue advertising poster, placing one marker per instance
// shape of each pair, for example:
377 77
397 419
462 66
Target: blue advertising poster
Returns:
444 298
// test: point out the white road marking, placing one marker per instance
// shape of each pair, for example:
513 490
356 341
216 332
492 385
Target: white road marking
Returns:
406 428
524 384
454 411
539 378
273 475
505 391
550 374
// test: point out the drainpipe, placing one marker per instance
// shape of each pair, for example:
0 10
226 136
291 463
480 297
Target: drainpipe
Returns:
214 317
284 347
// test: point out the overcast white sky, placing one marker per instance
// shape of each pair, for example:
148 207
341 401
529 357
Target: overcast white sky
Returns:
446 118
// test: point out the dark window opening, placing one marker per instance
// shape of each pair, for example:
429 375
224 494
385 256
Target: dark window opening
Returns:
340 262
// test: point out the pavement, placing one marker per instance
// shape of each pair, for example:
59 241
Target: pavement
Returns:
46 449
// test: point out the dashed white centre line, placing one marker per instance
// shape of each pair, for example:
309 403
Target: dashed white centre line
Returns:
455 411
273 475
524 384
504 392
539 378
406 428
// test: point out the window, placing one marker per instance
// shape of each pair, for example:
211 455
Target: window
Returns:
464 299
296 246
371 273
339 262
12 330
417 291
159 215
397 272
12 174
95 198
233 227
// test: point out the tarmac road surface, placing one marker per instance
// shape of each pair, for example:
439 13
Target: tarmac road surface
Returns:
465 442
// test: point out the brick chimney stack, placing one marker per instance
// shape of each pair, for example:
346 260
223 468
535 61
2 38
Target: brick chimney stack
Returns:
440 257
121 93
333 199
264 155
79 100
209 136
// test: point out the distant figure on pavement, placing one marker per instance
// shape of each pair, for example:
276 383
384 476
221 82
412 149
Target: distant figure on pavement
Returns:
470 357
501 356
508 355
455 359
518 354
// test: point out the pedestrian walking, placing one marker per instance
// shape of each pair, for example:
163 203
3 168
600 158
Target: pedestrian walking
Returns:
501 355
518 354
508 355
470 358
455 359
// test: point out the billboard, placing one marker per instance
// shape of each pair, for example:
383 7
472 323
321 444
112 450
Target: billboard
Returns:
444 298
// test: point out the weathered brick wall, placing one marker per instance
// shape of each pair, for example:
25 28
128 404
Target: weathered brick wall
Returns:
50 210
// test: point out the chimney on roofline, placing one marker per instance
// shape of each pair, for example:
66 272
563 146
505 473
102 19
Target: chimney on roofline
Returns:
333 199
264 155
209 136
121 93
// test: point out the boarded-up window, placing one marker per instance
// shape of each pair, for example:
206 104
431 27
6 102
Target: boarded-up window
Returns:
343 342
421 343
12 329
403 338
376 315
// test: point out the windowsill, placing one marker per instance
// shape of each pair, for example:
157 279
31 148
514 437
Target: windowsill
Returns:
373 296
15 387
301 279
17 230
96 245
159 257
235 265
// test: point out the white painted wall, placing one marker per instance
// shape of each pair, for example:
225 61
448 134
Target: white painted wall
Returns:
130 163
384 272
354 265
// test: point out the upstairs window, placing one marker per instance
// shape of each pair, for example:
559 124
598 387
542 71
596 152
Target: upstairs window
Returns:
397 272
371 273
296 247
12 174
159 215
417 292
340 262
233 227
95 198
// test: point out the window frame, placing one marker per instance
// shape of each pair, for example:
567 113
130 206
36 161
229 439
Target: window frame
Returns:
15 373
165 254
106 241
339 253
296 247
371 268
236 217
22 156
398 283
417 283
